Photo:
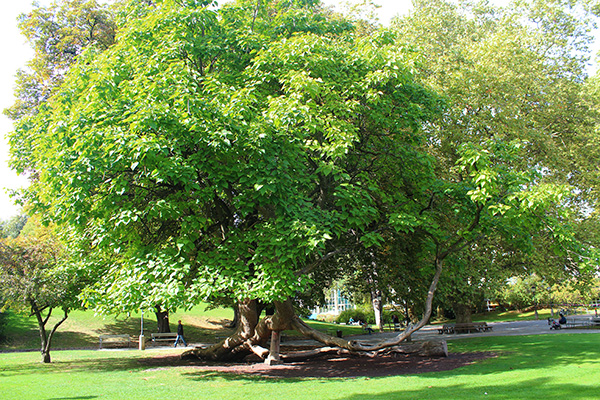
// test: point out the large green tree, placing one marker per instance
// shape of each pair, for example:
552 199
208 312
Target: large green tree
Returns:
232 153
512 74
210 153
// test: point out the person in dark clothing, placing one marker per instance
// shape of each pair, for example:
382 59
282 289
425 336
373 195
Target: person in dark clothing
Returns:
180 335
562 320
396 322
554 324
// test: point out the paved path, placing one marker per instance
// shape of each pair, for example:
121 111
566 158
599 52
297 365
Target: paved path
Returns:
430 332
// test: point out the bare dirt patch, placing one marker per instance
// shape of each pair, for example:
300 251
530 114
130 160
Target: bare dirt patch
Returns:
332 366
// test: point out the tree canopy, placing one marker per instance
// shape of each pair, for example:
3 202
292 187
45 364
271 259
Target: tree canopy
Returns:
233 152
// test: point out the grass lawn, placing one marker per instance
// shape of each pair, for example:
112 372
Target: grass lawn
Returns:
82 328
527 367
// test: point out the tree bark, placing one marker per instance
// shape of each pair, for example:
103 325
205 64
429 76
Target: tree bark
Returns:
274 357
377 308
463 313
247 338
425 349
252 334
45 337
162 320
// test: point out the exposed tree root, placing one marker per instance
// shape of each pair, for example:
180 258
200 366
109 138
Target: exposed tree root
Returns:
253 334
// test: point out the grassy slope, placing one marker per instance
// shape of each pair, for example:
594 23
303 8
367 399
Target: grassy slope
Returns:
82 328
527 367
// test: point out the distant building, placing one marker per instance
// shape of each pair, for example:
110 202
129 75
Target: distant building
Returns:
335 303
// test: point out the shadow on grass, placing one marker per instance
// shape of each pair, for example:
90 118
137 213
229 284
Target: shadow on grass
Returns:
540 388
99 365
514 353
74 398
23 334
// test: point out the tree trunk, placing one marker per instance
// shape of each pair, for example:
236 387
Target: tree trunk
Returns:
377 308
251 335
45 338
274 358
162 320
425 349
236 317
247 338
44 350
463 313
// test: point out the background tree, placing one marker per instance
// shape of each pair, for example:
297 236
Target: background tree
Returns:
36 280
58 34
505 79
12 227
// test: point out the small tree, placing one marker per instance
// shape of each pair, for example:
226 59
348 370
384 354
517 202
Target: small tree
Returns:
34 280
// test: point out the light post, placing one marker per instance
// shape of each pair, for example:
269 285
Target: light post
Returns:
535 303
551 302
142 341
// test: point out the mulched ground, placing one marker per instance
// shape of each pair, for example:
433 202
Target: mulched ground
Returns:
332 366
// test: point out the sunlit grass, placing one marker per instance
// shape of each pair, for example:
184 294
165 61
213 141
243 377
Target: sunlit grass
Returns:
525 367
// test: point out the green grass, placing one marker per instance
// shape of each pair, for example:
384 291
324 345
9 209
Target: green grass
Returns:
526 367
82 328
508 316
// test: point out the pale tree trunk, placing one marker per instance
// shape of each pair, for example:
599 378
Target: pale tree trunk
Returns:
274 357
377 308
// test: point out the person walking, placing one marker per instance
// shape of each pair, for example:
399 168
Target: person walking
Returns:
180 334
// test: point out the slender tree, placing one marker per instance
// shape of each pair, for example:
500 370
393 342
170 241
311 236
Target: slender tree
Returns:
35 279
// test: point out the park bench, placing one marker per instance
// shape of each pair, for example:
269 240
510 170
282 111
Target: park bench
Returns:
392 327
581 322
472 327
114 340
163 337
446 328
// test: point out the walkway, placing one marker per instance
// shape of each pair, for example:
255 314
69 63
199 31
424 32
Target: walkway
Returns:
430 332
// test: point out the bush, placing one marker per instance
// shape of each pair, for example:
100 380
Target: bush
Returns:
356 314
365 315
327 318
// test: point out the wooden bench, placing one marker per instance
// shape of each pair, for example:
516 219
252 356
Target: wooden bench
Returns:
164 337
447 328
579 322
391 327
114 339
472 327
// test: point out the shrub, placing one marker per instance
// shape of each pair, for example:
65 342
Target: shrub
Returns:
356 314
365 315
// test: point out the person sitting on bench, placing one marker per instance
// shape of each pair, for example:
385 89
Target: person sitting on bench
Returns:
562 320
